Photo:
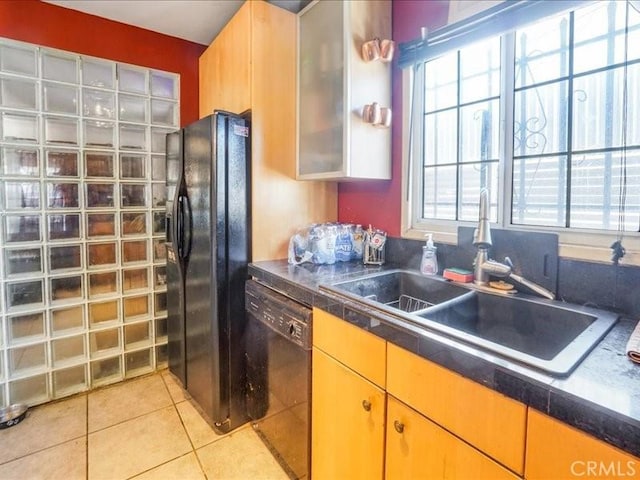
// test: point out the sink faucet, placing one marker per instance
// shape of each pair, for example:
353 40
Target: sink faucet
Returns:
484 267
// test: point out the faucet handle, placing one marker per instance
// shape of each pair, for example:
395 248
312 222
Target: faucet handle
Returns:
508 261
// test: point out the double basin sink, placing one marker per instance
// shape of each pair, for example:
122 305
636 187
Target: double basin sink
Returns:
548 335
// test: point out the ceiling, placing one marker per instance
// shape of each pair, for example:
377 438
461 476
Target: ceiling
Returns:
198 21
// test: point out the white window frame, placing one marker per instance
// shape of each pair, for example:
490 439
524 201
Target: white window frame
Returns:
581 244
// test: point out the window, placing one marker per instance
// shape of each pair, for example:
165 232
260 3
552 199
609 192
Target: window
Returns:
546 117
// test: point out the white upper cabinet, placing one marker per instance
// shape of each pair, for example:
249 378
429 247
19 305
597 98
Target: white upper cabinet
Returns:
336 139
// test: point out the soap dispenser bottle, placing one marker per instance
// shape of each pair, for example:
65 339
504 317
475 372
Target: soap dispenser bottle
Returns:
429 263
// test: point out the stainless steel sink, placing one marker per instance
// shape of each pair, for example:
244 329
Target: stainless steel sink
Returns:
397 290
549 335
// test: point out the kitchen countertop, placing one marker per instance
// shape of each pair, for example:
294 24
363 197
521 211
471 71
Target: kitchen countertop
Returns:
601 396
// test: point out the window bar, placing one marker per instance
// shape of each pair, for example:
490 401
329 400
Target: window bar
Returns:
569 122
522 141
564 106
458 150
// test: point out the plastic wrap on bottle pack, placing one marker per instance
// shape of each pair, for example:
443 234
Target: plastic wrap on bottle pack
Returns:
325 244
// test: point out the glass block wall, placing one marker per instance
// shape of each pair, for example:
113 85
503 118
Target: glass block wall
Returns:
82 182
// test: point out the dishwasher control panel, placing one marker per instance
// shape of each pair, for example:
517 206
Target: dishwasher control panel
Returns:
283 315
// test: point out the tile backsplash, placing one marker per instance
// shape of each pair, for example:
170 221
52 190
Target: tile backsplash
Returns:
606 286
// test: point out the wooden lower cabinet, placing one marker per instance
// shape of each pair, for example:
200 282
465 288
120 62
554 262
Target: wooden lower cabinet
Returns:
348 413
417 448
556 450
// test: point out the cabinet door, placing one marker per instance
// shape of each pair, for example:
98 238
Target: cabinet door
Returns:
488 420
555 450
419 449
225 67
347 423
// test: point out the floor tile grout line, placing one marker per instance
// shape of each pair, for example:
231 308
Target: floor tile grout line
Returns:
159 465
35 452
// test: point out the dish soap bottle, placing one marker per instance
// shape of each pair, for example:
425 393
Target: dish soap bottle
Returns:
429 263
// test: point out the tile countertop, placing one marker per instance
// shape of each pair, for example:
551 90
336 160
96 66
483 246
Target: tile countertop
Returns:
601 397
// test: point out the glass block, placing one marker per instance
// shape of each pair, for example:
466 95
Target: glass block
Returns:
98 164
18 93
133 195
159 250
132 79
136 307
23 261
101 225
161 328
133 166
22 228
133 223
104 342
133 137
21 294
19 127
158 168
65 257
159 140
27 327
27 359
97 73
138 363
107 370
101 254
134 251
163 113
65 320
100 195
29 390
59 67
68 350
160 276
164 85
133 108
59 98
18 59
158 195
63 195
137 335
66 288
21 161
63 227
21 195
158 223
62 163
162 356
99 134
69 380
160 303
103 312
61 130
98 104
135 279
103 283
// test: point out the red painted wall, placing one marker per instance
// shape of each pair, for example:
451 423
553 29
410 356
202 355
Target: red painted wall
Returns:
379 203
56 27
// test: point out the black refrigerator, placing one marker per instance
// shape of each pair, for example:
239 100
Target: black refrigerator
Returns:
208 248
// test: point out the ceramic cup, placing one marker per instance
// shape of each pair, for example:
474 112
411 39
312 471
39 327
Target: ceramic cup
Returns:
371 113
371 50
385 118
387 49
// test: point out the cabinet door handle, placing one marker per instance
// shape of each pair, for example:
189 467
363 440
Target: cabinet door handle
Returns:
399 426
366 404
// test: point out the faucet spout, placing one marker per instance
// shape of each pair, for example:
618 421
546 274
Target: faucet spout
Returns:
482 234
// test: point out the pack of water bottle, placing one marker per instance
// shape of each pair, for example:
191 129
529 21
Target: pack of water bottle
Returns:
326 243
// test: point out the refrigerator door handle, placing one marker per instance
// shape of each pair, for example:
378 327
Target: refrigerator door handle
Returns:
187 222
180 227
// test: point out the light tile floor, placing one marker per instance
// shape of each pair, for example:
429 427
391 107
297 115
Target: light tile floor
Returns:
143 429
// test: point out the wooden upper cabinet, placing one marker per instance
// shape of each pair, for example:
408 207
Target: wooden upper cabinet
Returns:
251 65
225 67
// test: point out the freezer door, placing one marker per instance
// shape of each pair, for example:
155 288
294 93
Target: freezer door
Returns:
175 267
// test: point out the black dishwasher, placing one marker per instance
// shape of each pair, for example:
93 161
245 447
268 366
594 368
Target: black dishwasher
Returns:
278 355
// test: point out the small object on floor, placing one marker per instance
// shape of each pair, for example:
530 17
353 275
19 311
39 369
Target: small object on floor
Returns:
458 275
12 415
501 285
633 345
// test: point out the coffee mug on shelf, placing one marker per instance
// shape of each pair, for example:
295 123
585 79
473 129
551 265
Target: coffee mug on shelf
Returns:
371 50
